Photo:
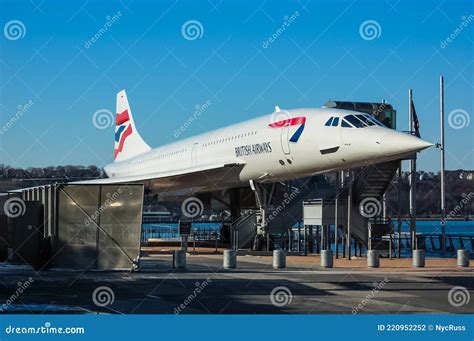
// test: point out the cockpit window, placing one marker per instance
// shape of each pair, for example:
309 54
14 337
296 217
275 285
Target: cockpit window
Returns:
344 124
354 121
373 119
335 122
328 123
364 119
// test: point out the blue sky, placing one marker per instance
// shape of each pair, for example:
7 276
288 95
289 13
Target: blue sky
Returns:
321 55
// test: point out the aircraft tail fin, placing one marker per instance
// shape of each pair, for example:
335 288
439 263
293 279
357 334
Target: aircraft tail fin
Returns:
128 142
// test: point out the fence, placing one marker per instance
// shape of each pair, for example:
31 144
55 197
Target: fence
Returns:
432 242
170 232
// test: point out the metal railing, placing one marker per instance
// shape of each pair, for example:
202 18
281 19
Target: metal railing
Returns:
431 242
171 233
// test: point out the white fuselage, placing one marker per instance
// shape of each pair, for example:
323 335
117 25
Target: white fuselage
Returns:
267 154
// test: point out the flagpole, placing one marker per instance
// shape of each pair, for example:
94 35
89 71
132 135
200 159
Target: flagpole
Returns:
412 178
443 209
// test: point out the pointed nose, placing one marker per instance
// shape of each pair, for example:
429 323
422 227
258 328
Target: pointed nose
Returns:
395 142
411 143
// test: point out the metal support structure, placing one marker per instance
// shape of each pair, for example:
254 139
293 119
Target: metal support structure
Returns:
412 179
336 215
369 234
305 243
442 160
349 214
322 238
299 239
384 206
399 213
262 226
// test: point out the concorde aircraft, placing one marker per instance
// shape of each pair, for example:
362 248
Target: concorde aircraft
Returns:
283 145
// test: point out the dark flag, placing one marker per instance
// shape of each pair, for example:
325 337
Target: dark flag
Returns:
416 123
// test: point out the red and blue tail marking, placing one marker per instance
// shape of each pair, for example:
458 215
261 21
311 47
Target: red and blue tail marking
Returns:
122 131
291 122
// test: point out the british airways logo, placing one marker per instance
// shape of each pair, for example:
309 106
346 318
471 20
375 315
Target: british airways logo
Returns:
122 131
291 122
253 149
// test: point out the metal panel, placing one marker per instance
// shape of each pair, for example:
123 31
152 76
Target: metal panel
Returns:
76 245
47 211
120 220
313 213
3 229
98 226
319 212
25 234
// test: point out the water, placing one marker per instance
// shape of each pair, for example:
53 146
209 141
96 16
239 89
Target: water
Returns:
207 231
170 230
461 227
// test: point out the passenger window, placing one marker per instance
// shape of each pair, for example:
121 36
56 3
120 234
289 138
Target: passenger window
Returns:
328 123
335 122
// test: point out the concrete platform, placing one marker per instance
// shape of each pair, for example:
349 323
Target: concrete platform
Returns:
253 287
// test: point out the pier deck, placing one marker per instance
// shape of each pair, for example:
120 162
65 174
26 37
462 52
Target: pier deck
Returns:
348 288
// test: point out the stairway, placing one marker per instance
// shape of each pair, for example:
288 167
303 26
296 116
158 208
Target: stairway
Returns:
243 230
373 181
370 184
283 212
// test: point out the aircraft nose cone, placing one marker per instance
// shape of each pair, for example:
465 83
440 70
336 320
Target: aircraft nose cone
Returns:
413 143
398 143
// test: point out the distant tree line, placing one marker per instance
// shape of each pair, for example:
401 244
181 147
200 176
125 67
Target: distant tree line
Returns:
459 187
459 192
15 177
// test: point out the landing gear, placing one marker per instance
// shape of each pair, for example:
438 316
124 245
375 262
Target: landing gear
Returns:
261 237
262 241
